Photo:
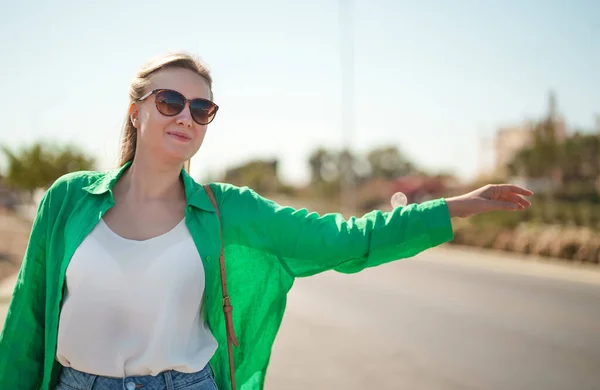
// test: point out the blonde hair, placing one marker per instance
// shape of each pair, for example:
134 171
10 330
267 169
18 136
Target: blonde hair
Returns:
139 86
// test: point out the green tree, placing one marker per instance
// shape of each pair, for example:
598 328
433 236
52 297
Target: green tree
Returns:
324 165
574 162
387 162
581 167
260 175
544 157
40 164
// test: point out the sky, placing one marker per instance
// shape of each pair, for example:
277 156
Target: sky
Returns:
435 78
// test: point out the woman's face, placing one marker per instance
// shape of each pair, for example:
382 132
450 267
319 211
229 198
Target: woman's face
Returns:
172 139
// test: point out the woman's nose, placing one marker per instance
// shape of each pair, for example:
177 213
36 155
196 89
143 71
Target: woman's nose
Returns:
184 118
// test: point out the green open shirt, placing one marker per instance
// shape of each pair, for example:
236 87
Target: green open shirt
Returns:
266 247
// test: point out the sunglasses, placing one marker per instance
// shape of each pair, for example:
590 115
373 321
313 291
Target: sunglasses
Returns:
171 103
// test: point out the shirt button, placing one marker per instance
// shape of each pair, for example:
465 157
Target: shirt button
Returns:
207 258
189 209
130 386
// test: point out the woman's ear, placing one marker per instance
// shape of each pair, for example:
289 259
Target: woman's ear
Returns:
133 114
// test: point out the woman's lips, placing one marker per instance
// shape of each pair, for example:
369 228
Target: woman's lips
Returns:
179 136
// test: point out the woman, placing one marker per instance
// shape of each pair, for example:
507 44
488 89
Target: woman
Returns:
120 287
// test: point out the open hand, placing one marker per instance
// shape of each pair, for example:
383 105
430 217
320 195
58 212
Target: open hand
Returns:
491 197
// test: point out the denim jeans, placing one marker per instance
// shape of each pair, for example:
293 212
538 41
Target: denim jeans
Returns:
71 379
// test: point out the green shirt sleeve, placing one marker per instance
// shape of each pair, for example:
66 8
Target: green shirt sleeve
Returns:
22 337
308 243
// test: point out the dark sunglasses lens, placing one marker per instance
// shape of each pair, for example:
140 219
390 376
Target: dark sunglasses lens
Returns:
170 103
203 111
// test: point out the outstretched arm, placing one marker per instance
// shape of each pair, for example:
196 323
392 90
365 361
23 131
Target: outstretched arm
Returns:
308 243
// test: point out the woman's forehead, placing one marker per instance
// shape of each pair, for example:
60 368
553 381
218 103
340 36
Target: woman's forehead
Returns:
185 81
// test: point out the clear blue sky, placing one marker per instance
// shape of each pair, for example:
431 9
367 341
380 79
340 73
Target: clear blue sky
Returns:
430 76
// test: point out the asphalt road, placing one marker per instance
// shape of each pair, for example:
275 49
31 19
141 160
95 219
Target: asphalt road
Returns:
447 320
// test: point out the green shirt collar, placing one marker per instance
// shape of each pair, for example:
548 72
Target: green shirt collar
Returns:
195 194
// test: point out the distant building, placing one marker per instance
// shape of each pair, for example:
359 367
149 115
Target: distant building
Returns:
510 141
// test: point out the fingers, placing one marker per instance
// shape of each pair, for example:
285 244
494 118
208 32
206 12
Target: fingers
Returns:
514 198
516 189
500 205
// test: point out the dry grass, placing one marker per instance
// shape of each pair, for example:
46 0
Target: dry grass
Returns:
570 243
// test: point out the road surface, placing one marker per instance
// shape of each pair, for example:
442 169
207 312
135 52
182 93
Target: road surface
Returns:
446 319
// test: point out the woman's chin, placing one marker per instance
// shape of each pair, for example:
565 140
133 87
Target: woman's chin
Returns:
177 156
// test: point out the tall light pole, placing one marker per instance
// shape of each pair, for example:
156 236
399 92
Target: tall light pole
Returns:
348 185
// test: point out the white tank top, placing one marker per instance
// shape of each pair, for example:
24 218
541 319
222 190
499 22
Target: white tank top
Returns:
134 307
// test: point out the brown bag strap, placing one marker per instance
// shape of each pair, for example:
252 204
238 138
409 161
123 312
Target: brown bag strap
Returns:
227 308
